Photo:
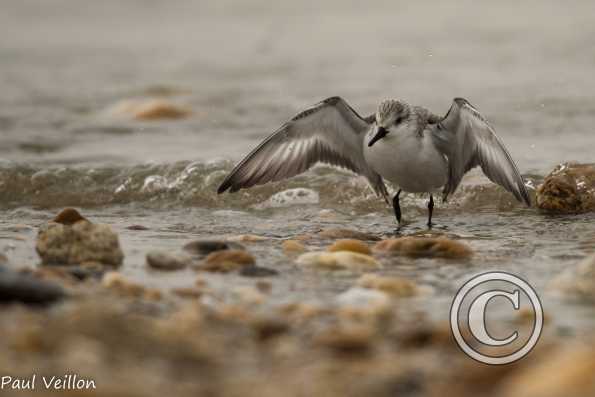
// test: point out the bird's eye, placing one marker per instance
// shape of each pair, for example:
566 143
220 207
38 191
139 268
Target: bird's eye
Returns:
398 120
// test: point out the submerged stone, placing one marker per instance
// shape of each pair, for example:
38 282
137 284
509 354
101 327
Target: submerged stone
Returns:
338 260
81 242
351 245
569 188
440 247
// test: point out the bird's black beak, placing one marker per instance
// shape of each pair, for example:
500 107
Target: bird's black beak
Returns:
381 133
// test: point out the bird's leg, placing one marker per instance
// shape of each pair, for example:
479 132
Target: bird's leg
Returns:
430 209
396 206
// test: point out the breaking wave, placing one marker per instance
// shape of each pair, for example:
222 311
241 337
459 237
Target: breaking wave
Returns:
195 184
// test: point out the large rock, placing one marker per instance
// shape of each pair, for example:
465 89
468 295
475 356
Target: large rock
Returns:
569 188
78 243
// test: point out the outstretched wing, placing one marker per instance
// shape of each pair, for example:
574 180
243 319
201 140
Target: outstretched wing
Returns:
467 140
329 132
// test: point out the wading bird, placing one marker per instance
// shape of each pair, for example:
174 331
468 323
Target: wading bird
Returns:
407 145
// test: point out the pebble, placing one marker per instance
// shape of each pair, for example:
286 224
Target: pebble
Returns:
293 247
350 245
257 271
74 273
327 214
205 247
338 260
440 247
395 286
152 109
201 282
364 298
347 234
78 243
567 371
162 260
300 312
421 334
24 288
264 286
226 261
350 340
249 295
569 188
115 281
579 280
248 238
267 327
20 228
187 292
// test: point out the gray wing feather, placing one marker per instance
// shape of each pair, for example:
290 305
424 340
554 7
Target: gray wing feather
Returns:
329 132
467 140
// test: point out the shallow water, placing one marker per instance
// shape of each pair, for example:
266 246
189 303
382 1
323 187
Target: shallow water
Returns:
243 70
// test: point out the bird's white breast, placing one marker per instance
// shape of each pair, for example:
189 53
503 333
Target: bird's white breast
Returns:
408 160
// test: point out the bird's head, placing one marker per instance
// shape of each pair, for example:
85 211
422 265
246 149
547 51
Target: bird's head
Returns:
389 116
